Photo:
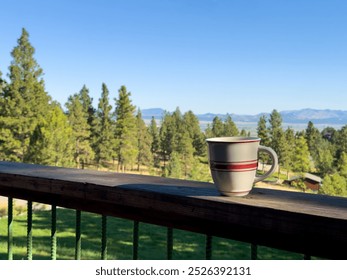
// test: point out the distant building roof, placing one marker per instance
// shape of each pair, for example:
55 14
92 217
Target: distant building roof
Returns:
307 176
313 177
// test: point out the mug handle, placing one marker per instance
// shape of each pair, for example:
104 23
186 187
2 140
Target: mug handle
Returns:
274 159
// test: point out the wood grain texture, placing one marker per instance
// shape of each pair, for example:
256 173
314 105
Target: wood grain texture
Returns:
305 223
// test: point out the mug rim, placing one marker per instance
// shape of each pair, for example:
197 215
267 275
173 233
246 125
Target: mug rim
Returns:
233 139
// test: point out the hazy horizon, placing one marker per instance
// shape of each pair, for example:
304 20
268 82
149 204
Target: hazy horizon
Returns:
259 113
252 123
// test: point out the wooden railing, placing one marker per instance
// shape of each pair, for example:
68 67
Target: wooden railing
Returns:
310 224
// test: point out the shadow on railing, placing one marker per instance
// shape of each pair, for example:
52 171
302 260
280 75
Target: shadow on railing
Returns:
145 217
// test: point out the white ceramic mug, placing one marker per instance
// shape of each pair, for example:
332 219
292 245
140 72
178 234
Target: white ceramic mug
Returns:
234 162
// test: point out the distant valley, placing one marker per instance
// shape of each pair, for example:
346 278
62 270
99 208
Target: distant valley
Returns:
296 119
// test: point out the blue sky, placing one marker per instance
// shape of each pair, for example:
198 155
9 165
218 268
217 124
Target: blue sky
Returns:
219 56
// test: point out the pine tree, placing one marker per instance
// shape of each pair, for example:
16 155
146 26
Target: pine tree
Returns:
263 132
166 134
341 139
321 149
185 153
277 136
104 129
301 162
230 128
208 131
245 133
275 121
174 167
91 116
78 119
312 136
126 131
282 149
330 134
342 165
201 171
25 102
5 133
87 104
178 129
144 143
324 156
171 132
181 136
2 88
155 146
275 130
288 154
334 184
192 126
217 127
50 143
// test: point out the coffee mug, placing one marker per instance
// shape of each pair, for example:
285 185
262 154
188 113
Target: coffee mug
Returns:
234 162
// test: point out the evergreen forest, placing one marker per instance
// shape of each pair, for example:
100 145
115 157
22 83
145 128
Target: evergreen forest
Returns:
113 136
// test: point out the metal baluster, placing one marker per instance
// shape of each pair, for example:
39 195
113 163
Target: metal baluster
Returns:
54 233
29 230
136 240
9 229
104 238
208 247
169 243
254 251
78 236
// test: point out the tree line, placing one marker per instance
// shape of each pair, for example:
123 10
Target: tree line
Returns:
321 152
34 128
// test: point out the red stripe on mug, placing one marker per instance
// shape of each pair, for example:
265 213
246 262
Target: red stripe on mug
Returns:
252 165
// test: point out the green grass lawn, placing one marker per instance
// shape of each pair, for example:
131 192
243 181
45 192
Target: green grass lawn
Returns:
152 240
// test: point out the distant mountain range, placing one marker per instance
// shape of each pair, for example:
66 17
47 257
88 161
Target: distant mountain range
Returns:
303 116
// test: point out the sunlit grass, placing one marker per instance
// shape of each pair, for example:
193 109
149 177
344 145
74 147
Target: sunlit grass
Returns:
152 240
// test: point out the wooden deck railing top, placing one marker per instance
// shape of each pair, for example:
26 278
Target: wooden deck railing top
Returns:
305 223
